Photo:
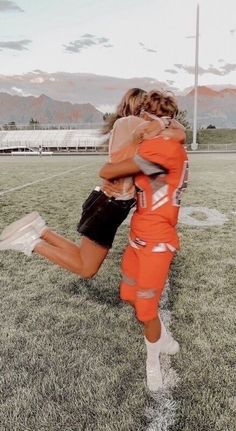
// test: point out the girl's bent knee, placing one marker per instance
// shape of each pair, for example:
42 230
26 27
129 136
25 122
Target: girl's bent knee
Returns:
88 272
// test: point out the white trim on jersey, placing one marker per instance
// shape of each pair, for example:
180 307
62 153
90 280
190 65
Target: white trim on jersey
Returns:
160 203
159 195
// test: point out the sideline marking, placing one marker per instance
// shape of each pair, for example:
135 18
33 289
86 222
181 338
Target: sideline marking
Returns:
186 216
40 181
213 216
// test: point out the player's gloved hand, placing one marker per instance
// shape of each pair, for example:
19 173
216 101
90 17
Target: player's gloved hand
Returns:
111 188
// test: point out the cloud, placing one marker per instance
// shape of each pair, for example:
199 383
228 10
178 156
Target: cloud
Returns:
37 80
9 6
79 45
86 41
170 81
230 67
171 71
37 71
88 35
103 40
214 71
232 31
221 71
19 91
191 69
106 108
147 49
17 45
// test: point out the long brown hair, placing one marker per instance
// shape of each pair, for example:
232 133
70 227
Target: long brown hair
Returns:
131 104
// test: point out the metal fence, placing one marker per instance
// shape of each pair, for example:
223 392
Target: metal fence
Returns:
65 126
231 147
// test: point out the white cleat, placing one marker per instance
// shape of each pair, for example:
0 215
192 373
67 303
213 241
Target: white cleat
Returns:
154 377
33 219
24 240
169 345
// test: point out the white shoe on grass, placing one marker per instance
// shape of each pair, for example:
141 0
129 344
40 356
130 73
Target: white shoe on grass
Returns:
33 219
24 240
168 344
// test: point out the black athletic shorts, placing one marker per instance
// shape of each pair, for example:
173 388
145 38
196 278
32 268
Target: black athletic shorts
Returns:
101 217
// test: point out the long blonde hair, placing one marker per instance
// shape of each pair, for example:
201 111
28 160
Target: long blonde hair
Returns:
131 104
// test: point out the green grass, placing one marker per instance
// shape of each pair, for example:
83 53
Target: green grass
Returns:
214 139
72 356
203 302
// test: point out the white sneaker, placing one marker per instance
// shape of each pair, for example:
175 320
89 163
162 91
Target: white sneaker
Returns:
24 240
168 344
154 377
33 219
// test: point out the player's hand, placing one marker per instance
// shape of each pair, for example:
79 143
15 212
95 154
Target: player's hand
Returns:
153 128
175 133
147 130
138 137
110 188
174 124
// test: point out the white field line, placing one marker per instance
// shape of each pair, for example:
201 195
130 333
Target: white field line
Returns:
162 411
41 180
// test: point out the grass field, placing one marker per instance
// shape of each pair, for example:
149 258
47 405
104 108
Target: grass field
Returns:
214 139
72 356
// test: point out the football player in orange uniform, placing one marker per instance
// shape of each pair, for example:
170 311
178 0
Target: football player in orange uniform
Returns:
160 167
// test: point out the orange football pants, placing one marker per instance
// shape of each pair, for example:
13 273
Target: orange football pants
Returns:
144 274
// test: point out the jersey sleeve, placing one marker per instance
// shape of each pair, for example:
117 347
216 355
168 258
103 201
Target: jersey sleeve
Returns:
122 133
157 155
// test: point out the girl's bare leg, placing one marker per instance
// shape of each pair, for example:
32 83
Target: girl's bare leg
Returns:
84 259
60 241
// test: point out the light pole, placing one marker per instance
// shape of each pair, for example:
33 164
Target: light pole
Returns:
194 145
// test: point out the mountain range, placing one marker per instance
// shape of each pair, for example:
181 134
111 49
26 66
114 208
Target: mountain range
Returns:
216 106
45 110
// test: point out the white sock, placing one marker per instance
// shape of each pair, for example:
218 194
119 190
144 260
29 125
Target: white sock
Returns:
163 329
153 350
34 243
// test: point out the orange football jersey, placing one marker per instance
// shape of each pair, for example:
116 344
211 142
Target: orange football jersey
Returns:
164 165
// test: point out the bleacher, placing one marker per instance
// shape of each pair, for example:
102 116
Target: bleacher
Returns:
51 140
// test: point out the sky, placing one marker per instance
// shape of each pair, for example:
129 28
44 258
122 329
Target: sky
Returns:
120 38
